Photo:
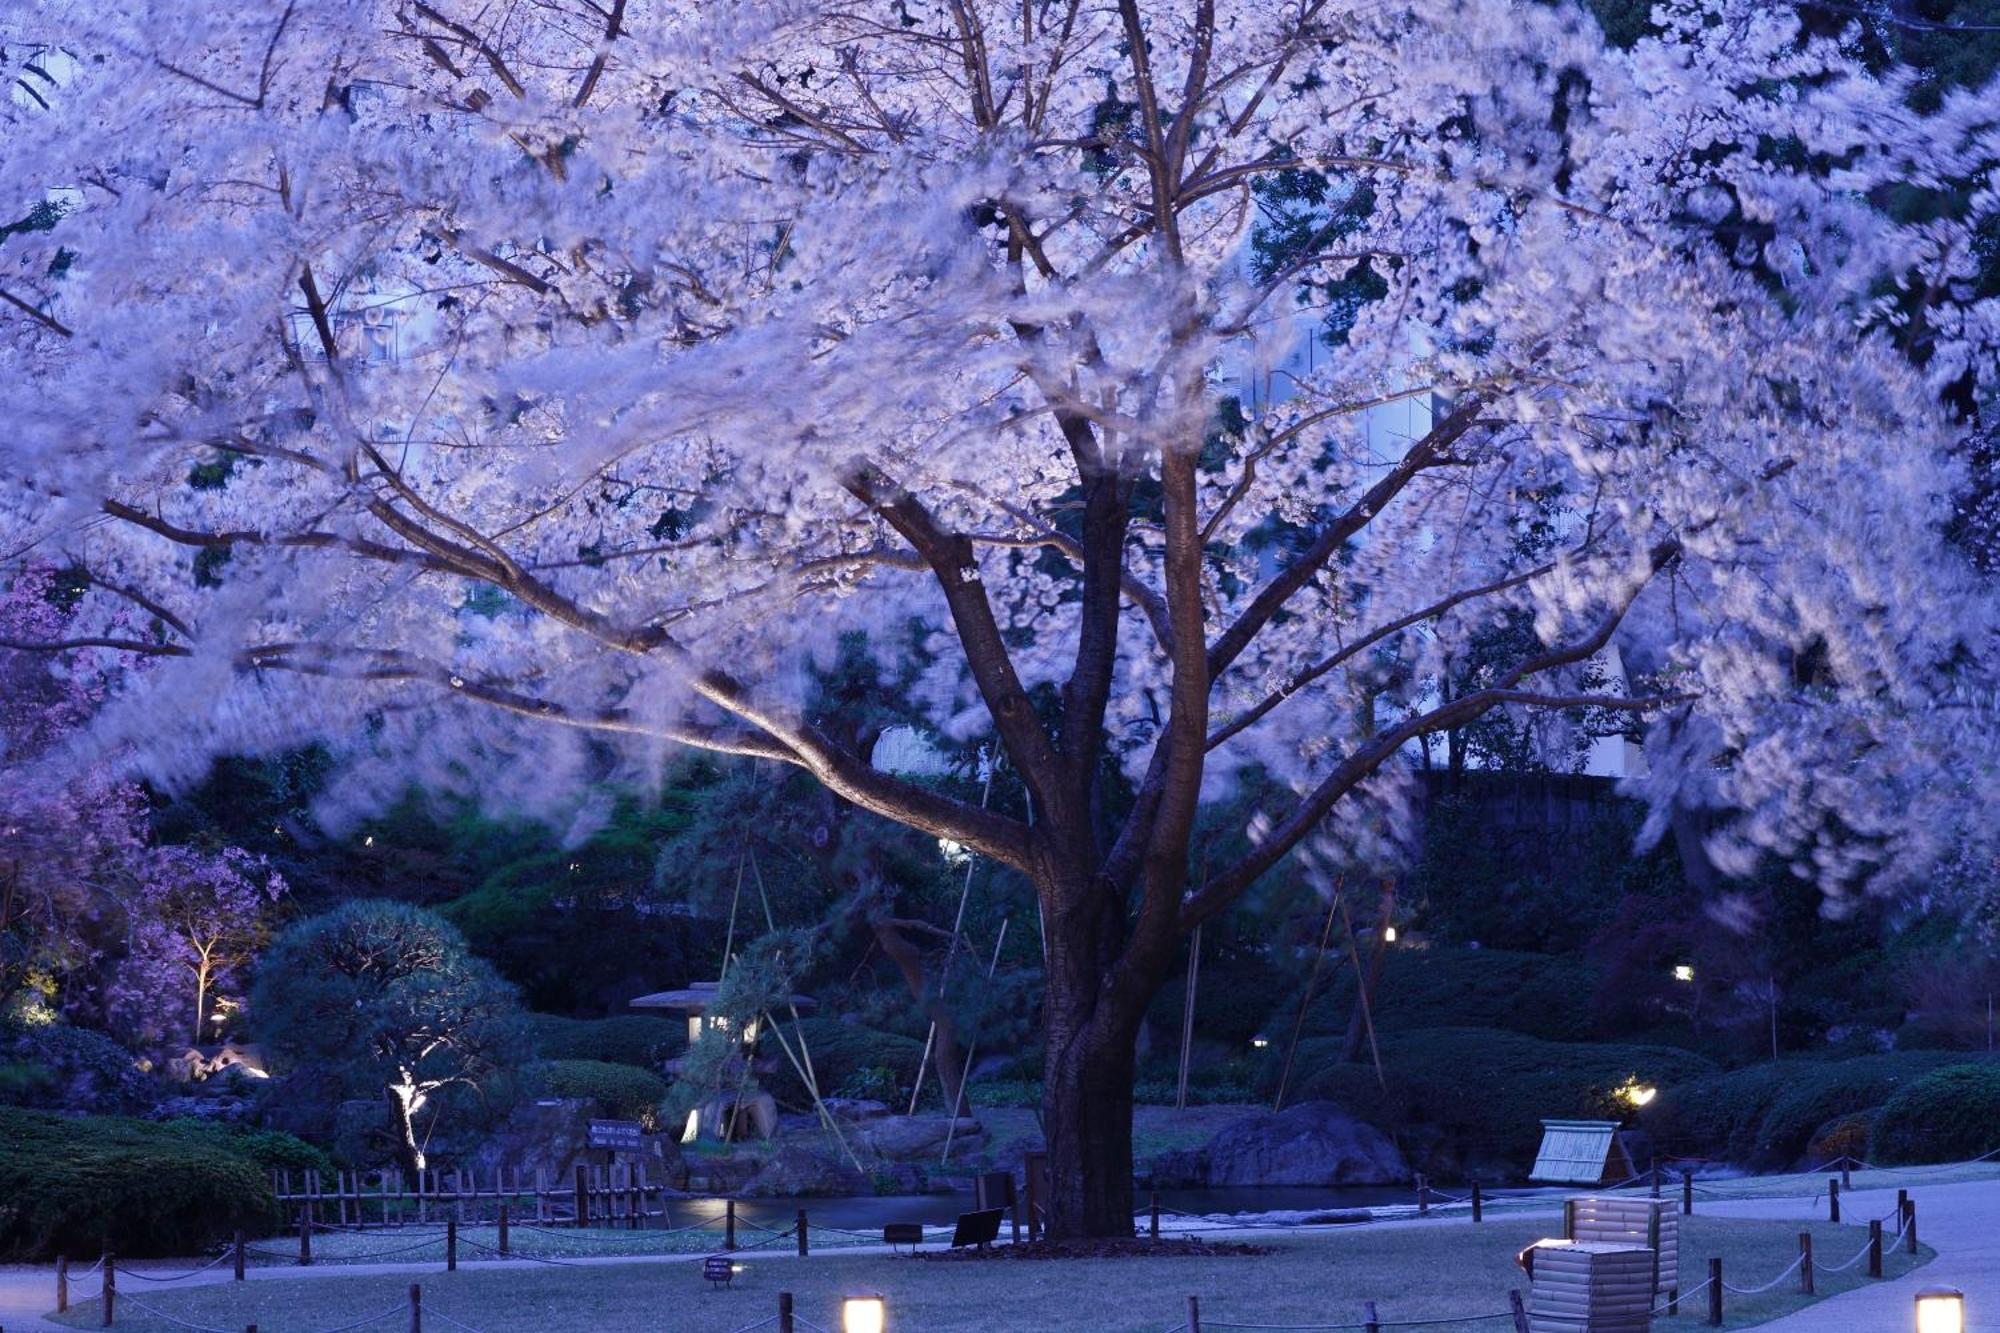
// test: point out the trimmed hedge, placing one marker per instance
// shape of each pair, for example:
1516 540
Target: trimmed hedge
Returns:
1485 1092
1946 1116
1767 1115
628 1039
77 1185
620 1091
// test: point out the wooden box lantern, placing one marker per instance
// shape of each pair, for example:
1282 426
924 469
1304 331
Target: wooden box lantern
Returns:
1624 1221
1581 1287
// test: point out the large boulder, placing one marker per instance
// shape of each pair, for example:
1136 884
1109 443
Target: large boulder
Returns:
1312 1143
552 1135
919 1135
794 1172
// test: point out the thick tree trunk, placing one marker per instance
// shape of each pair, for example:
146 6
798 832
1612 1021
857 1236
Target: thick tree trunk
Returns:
1087 1108
402 1122
1091 1033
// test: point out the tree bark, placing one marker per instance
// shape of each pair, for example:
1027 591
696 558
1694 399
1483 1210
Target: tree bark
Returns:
1090 1033
1087 1109
944 1050
402 1108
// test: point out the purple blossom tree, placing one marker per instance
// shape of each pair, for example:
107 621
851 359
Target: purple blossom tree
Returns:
487 389
193 919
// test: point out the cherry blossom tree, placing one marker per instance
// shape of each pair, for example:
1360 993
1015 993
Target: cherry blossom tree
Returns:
67 834
194 919
489 390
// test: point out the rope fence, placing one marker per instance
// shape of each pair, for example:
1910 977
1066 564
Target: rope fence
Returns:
1872 1251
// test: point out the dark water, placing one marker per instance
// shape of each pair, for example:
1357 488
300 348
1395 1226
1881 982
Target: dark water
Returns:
869 1213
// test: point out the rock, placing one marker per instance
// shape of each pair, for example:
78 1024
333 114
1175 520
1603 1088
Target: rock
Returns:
1312 1143
715 1173
855 1109
552 1135
920 1135
799 1172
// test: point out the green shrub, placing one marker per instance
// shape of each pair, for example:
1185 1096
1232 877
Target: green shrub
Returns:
1945 1116
1765 1116
839 1051
270 1149
75 1185
629 1039
83 1070
25 1082
1843 1137
1833 1090
1720 1115
1485 1092
620 1091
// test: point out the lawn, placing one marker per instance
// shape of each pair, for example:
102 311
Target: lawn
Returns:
1439 1270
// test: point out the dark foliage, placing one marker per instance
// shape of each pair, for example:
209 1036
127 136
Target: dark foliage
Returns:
76 1186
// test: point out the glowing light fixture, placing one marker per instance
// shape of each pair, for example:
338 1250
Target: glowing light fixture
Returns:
1636 1094
1388 934
1940 1310
864 1314
693 1128
1683 971
1260 1041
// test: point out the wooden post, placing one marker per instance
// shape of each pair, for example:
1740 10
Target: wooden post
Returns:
503 1226
1715 1292
1423 1198
1805 1263
110 1286
305 1238
62 1283
1874 1247
1194 1314
1519 1312
1371 1321
785 1312
416 1308
1846 1173
582 1195
1832 1199
804 1248
451 1244
729 1224
1156 1214
1910 1227
1655 1173
1687 1194
1477 1204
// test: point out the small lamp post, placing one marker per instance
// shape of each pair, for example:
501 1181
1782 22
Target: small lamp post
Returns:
1940 1310
864 1314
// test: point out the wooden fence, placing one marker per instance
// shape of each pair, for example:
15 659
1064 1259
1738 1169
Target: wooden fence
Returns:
621 1194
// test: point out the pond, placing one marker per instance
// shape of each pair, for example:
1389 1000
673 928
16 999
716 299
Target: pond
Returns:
870 1212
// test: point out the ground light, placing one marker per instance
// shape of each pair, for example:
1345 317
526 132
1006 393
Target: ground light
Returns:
1940 1310
1260 1041
864 1314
